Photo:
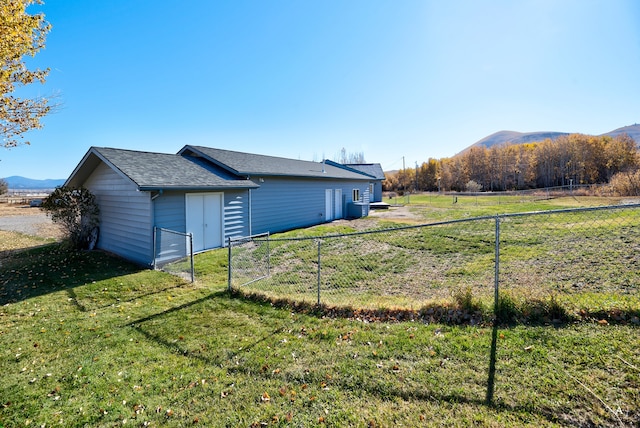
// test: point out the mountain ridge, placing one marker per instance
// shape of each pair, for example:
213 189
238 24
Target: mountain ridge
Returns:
514 137
16 182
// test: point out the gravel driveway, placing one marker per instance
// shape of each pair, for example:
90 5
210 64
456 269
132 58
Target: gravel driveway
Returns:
29 222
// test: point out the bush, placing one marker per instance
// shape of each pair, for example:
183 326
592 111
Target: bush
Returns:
78 213
466 302
626 183
506 311
473 186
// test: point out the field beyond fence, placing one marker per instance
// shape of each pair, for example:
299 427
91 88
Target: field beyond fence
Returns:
585 260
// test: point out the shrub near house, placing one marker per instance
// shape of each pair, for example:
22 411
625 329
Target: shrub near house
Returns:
78 213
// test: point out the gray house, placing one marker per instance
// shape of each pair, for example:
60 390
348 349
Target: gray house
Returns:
373 170
213 194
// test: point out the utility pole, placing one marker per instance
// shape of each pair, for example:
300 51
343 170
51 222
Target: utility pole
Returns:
404 173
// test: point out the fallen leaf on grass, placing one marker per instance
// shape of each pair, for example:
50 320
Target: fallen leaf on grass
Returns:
265 397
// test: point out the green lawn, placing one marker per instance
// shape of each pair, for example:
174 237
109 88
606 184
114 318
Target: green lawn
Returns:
587 261
89 340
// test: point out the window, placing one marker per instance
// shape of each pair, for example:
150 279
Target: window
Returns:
370 188
356 195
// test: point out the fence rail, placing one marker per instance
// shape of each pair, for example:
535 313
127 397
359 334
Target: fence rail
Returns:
583 257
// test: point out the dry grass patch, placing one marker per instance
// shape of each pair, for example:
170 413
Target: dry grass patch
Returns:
10 241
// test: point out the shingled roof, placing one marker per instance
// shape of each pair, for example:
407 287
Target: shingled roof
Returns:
373 170
247 164
154 171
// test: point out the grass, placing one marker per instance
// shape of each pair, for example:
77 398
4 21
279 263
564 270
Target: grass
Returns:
164 352
585 260
87 339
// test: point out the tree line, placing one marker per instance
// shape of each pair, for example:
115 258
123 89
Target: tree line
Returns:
571 159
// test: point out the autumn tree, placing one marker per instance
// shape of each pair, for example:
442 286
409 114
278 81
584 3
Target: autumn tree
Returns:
427 176
620 155
570 159
21 35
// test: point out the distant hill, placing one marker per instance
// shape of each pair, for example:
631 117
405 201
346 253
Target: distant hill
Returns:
16 183
513 137
632 131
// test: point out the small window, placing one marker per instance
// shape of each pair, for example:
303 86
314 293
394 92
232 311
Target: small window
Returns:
356 195
371 188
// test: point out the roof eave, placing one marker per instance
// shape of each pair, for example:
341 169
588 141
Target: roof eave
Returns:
77 180
152 188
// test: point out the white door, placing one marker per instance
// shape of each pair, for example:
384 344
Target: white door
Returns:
337 205
328 205
204 220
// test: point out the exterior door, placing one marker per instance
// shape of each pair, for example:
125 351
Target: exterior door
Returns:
337 203
204 219
328 205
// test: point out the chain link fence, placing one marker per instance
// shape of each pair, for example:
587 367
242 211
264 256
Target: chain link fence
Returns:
469 198
584 258
173 253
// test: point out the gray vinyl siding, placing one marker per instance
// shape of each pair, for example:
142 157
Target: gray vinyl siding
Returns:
236 214
125 215
170 212
288 203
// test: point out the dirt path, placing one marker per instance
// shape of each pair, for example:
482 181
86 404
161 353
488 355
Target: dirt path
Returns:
400 213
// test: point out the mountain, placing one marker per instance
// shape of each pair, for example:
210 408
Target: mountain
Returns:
513 137
16 182
632 131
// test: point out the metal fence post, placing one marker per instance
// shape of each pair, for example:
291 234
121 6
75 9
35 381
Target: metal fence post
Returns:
155 246
193 274
497 267
319 272
268 256
229 267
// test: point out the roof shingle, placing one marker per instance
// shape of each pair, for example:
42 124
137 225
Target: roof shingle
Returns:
247 164
160 170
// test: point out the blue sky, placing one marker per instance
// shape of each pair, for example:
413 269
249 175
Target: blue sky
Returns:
416 79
